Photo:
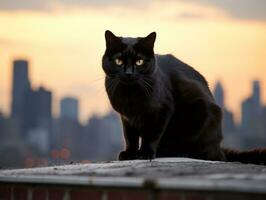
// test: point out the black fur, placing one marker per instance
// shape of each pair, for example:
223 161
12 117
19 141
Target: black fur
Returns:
165 103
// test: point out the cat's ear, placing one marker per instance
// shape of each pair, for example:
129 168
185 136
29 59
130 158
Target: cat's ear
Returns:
149 40
111 40
146 44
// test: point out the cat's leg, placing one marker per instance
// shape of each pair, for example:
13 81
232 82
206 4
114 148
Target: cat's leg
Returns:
131 136
152 134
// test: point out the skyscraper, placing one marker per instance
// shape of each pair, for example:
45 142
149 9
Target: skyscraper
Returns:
246 110
20 85
69 108
228 118
256 96
37 108
253 118
251 107
44 100
219 94
37 119
69 128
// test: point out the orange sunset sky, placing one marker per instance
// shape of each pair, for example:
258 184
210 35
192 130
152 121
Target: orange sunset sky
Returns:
64 42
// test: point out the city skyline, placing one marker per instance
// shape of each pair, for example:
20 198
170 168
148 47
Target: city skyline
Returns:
21 69
95 88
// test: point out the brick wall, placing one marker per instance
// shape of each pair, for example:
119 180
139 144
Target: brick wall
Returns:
56 192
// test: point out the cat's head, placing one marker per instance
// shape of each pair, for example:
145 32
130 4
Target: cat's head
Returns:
129 59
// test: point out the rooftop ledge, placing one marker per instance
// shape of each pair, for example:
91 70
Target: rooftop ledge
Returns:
163 175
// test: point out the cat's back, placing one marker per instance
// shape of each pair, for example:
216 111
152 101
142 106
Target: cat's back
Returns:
170 64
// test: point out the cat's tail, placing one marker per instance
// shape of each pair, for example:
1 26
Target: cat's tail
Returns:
255 156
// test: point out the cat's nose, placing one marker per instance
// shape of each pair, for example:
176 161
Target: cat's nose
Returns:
129 73
129 76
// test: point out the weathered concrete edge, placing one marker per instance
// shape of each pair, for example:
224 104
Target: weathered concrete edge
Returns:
177 184
123 163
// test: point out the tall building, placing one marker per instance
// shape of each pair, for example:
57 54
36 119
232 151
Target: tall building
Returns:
228 118
69 108
37 109
252 107
219 94
44 101
246 110
256 96
253 119
20 85
69 129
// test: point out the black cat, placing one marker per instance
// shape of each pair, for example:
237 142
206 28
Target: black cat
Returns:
164 103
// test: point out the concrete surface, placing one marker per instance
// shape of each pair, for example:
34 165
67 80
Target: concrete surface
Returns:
163 173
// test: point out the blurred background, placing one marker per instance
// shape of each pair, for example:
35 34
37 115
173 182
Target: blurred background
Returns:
53 106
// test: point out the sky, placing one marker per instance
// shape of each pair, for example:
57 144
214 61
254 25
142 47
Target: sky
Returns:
64 42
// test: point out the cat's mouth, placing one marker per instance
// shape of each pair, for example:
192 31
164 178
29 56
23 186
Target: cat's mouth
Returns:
129 80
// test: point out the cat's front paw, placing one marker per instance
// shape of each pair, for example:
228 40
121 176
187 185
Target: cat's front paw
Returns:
127 155
146 154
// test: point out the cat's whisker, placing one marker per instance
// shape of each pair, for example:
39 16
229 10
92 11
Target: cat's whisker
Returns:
146 91
96 81
149 87
112 76
151 83
112 90
112 86
145 88
108 85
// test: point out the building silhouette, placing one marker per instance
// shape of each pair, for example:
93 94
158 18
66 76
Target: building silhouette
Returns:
228 123
228 117
219 94
30 109
68 132
253 121
246 112
256 97
37 108
37 119
251 106
20 85
69 108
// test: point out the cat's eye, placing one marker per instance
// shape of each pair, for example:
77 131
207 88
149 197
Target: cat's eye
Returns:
139 62
118 62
